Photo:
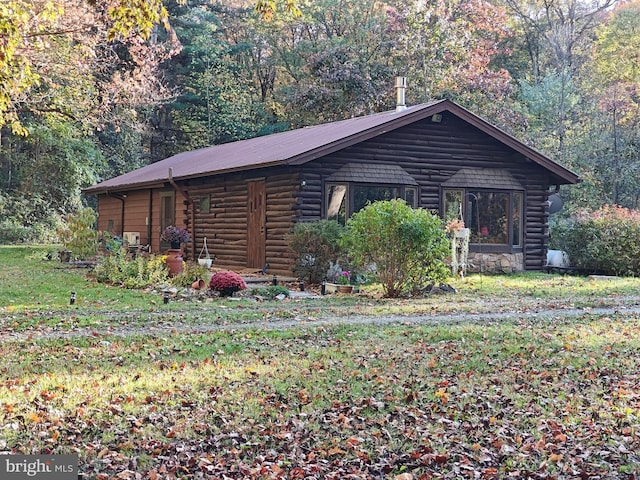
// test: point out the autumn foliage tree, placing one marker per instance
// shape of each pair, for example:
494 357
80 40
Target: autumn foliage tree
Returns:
450 49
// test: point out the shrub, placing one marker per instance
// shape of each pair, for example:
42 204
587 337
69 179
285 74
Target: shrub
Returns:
270 292
27 218
10 233
79 235
190 273
121 268
407 246
605 241
227 283
314 246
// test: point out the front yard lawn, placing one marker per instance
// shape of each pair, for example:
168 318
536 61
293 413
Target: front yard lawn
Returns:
531 396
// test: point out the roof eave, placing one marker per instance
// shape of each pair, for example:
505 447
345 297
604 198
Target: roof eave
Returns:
243 168
162 182
98 190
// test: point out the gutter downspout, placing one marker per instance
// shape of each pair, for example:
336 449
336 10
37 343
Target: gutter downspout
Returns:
150 219
182 192
121 198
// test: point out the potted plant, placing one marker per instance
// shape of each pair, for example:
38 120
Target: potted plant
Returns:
175 236
343 280
227 283
459 246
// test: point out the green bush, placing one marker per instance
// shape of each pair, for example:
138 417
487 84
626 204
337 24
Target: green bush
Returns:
407 246
314 246
79 234
121 268
270 292
10 233
190 273
27 219
605 241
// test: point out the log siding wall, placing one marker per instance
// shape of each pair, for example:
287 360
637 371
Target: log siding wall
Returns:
225 225
433 152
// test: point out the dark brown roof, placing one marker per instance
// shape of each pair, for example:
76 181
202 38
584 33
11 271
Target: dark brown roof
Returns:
483 177
299 146
372 173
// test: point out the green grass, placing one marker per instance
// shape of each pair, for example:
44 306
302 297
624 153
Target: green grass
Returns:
35 292
547 396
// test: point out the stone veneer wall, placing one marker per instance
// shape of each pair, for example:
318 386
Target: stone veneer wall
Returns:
495 262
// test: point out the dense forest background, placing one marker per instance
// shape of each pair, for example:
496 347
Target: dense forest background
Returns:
90 90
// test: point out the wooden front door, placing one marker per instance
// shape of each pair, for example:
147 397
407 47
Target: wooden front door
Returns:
256 228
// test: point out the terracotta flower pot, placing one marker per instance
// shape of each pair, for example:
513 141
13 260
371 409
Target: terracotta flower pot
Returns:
174 262
198 284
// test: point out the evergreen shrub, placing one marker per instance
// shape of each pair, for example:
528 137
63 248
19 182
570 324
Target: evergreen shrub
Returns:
270 292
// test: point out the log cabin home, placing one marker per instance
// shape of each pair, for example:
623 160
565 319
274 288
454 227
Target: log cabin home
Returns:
245 196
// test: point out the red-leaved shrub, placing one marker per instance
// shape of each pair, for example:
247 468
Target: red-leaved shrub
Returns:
227 283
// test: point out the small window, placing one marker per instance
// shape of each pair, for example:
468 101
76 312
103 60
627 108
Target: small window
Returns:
516 219
452 205
110 226
205 204
411 196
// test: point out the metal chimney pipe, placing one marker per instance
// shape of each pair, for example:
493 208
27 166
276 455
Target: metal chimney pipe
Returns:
401 86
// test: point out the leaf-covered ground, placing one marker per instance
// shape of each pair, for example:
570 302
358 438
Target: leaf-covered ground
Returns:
517 376
551 398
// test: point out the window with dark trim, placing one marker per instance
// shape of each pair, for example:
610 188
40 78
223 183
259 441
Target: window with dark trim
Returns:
493 216
344 199
205 204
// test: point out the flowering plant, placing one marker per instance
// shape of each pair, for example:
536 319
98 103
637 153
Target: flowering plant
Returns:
227 282
173 234
343 278
454 225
